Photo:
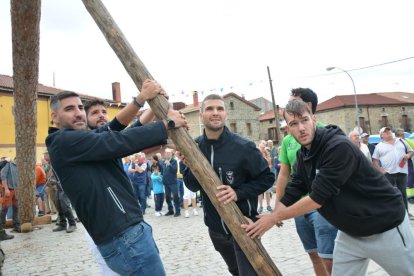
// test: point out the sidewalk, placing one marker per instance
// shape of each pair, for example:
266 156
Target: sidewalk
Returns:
184 246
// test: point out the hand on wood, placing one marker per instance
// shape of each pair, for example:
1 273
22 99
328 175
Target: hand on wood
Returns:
150 89
178 117
226 194
256 230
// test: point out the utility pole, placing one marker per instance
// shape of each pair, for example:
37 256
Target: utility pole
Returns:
275 108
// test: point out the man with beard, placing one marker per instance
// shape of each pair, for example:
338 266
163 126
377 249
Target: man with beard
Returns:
244 174
88 166
333 176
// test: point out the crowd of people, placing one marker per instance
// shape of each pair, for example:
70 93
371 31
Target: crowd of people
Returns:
347 196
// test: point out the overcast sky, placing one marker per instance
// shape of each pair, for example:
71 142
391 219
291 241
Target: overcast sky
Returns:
224 46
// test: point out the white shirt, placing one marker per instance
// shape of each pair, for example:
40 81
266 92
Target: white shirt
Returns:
391 155
365 150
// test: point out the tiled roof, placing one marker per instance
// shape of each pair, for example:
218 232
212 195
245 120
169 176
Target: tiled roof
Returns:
385 98
270 115
192 108
6 84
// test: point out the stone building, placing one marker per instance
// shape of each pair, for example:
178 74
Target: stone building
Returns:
243 116
376 110
268 126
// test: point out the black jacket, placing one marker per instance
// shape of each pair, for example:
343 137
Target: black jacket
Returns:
238 163
355 197
88 167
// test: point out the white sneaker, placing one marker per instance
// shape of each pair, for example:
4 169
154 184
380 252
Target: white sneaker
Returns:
161 213
187 214
195 213
157 214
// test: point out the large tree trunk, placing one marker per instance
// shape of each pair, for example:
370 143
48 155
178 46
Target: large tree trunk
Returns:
198 164
25 16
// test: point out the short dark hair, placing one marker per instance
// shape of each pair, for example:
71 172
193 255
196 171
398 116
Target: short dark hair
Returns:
91 103
296 108
307 95
57 98
211 97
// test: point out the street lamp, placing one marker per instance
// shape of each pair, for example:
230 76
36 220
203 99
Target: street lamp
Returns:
355 95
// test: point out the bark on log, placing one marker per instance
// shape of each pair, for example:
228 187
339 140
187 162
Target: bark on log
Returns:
25 16
198 164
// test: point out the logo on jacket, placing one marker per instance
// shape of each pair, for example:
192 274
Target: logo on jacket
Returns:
230 177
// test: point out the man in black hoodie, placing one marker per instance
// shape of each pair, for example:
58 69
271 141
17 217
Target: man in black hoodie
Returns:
88 166
350 193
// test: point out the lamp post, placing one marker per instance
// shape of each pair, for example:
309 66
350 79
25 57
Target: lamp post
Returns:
355 95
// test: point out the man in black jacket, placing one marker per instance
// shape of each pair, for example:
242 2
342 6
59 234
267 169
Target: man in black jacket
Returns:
350 193
244 172
87 165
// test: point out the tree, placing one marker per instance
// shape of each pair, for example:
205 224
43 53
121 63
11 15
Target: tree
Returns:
25 17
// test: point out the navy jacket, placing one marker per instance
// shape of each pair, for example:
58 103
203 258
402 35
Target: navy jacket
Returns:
169 173
88 166
238 163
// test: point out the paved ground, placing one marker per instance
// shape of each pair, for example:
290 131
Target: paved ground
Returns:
183 243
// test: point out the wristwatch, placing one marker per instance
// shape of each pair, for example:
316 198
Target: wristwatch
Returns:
170 123
134 101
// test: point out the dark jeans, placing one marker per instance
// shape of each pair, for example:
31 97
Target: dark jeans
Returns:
159 200
172 188
237 262
180 183
64 209
140 191
399 180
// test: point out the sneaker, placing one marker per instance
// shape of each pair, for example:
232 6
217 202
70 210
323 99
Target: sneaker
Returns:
269 208
169 213
4 236
71 229
260 210
186 214
157 214
161 213
195 213
177 215
59 228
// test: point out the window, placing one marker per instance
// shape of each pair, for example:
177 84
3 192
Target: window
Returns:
231 105
249 129
362 123
233 127
384 121
404 122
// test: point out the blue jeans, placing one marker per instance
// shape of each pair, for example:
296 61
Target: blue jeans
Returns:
140 191
316 234
133 252
172 189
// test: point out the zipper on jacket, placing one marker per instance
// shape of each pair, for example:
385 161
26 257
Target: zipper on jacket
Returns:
221 175
117 202
224 227
250 208
212 156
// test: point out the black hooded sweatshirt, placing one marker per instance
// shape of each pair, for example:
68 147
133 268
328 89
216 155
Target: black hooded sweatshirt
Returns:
87 165
355 197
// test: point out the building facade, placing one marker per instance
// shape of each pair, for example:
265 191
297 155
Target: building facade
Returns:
376 110
7 129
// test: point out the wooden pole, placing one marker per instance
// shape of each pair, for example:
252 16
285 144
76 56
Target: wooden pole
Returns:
275 109
198 164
